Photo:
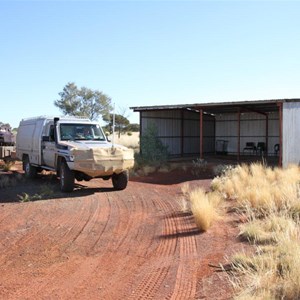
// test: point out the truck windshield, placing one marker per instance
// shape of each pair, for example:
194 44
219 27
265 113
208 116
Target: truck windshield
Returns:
84 132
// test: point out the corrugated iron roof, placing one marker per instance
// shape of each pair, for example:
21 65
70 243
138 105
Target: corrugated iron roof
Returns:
222 107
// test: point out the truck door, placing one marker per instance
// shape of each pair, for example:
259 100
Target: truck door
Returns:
49 148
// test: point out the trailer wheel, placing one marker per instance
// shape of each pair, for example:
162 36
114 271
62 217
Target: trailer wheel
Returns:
120 180
30 171
66 178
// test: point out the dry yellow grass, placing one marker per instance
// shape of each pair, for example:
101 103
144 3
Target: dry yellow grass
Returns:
260 187
270 198
146 170
185 189
269 229
130 141
273 271
6 166
164 169
203 208
184 204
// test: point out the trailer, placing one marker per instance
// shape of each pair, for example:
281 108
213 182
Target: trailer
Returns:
7 153
7 137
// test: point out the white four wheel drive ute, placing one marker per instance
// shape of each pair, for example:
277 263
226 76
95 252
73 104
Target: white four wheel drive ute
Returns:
74 148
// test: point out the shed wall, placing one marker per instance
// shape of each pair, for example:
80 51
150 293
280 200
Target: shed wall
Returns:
252 129
180 130
291 133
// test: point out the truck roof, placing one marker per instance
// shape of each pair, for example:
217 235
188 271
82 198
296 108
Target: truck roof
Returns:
63 118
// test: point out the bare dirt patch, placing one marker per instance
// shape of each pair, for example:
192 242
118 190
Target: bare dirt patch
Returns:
97 243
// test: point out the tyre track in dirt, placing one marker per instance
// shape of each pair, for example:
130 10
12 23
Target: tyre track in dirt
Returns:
21 235
157 271
82 241
131 244
101 252
79 278
177 248
129 253
70 239
186 278
40 228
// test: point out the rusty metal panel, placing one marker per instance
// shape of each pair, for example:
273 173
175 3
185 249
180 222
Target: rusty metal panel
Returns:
291 134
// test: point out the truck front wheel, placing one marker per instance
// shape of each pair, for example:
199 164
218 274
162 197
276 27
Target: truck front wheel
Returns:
66 178
120 180
30 171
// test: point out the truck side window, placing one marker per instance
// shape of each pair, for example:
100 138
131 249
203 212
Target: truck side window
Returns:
51 133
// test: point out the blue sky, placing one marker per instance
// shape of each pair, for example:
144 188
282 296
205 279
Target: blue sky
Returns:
146 52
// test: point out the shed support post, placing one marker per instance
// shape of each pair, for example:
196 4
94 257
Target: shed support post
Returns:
239 135
141 130
267 134
201 133
182 134
280 134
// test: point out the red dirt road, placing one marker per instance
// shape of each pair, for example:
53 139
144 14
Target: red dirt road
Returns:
97 243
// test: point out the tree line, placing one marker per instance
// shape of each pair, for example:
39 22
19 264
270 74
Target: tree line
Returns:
92 104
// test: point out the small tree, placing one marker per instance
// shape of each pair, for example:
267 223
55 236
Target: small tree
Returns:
133 127
121 122
152 150
83 102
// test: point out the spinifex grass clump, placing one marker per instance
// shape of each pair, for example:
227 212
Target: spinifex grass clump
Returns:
270 201
261 188
273 272
203 207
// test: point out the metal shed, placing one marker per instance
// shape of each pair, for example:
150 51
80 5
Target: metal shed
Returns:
261 128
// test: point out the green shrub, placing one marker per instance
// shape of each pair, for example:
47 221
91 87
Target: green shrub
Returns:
27 198
45 192
152 150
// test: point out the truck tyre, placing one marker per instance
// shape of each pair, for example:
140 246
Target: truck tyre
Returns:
30 171
66 178
120 180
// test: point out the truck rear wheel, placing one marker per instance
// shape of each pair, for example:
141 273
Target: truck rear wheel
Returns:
30 171
120 180
66 178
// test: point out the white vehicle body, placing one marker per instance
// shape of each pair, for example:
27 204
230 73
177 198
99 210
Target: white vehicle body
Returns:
72 147
7 138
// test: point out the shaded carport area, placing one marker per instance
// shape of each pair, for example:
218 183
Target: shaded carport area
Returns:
230 131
